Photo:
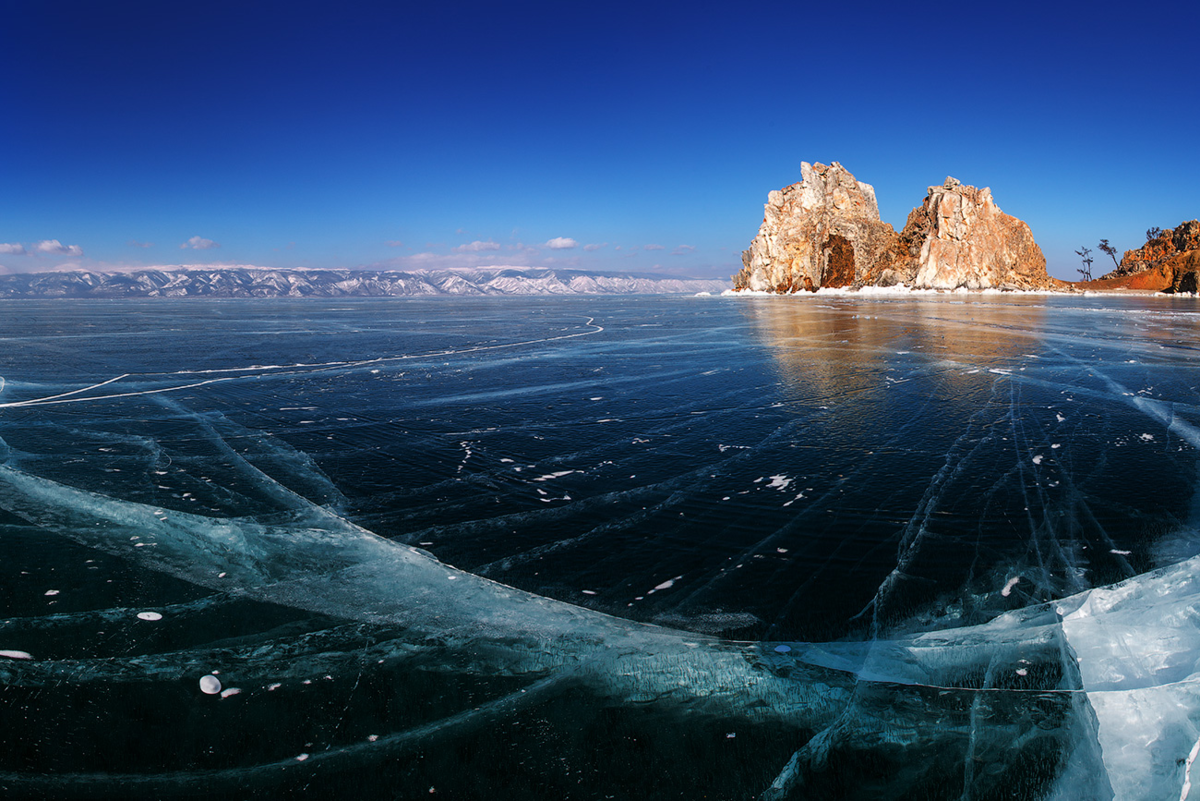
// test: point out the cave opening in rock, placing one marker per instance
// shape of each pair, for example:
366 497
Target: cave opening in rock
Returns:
839 265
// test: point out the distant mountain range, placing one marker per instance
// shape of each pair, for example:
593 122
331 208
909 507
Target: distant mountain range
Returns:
254 282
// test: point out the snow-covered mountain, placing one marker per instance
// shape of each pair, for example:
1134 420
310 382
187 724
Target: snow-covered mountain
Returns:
255 282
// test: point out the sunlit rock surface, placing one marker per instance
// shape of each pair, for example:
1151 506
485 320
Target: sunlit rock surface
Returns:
823 231
1162 247
826 232
967 241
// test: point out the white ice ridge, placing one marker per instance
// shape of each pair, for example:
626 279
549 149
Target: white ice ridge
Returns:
1138 645
312 559
1138 642
258 371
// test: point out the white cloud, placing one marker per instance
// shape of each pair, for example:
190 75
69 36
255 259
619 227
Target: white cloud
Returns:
595 246
394 243
654 247
199 243
13 249
561 243
682 249
57 248
477 247
133 243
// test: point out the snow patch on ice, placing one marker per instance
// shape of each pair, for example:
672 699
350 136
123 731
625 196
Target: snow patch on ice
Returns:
666 585
559 474
1187 772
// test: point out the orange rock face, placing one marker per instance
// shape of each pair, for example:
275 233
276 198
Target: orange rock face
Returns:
1156 279
1178 272
1168 244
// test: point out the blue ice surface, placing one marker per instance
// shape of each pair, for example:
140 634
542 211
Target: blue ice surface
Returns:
567 547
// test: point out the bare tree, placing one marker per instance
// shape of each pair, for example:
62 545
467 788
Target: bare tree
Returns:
1086 270
1110 250
1153 233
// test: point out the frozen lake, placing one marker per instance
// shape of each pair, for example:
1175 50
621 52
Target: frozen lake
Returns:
654 547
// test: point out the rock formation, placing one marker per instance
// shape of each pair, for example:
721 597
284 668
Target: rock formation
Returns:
967 241
825 232
1169 260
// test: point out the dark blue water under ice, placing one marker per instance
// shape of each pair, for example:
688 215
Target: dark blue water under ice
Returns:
925 547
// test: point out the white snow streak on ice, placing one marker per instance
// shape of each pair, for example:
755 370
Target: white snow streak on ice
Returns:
1187 772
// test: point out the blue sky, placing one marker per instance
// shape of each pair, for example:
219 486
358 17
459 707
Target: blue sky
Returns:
621 136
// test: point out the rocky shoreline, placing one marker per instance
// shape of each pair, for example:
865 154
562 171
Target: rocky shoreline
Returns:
825 233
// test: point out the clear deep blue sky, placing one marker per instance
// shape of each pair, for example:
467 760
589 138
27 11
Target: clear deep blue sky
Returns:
447 133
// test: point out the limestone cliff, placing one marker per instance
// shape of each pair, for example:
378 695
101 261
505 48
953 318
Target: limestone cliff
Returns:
823 231
967 241
826 232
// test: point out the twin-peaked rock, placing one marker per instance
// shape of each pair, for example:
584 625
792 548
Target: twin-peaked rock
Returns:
825 232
